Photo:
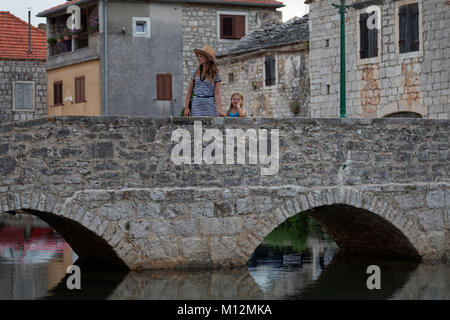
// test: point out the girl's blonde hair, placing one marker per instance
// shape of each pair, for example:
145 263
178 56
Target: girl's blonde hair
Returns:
242 101
208 70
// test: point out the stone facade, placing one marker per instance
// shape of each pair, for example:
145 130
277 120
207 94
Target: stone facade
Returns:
18 70
200 27
243 69
289 97
375 185
416 82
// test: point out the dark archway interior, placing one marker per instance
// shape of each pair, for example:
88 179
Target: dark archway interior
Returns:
360 231
91 249
404 114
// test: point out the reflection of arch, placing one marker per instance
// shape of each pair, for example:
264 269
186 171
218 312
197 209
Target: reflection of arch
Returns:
358 222
403 106
79 228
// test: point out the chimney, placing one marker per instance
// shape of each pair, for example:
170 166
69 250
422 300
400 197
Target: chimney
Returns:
29 31
42 26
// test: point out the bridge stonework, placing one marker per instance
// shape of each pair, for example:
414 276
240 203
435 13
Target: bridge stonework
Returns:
109 187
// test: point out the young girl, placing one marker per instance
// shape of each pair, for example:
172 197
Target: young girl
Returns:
205 86
237 106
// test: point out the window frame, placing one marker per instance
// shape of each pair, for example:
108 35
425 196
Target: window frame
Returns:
170 93
147 33
83 96
62 93
230 13
275 55
411 54
33 96
372 60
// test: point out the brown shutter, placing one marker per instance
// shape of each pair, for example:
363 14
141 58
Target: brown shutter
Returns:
57 93
79 90
227 26
164 87
240 26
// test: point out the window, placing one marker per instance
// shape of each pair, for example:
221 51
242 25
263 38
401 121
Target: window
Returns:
141 27
232 26
231 78
269 71
368 38
23 92
164 87
408 22
58 93
79 90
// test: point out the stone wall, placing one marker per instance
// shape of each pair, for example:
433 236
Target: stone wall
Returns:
290 91
11 71
417 83
115 177
200 28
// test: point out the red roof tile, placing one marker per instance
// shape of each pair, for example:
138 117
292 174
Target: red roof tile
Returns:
14 39
262 2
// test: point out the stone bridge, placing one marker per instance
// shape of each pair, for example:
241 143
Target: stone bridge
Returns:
113 189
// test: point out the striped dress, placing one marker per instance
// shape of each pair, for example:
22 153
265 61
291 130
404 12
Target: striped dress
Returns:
203 104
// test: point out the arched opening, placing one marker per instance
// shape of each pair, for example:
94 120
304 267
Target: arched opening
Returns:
90 248
324 252
404 114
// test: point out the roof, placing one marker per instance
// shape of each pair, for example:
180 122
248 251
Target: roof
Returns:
272 34
260 3
14 39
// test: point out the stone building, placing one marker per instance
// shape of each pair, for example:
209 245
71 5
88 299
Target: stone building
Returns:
149 58
23 87
270 67
400 68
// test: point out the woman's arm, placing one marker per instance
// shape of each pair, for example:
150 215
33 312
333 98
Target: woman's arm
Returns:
217 99
187 112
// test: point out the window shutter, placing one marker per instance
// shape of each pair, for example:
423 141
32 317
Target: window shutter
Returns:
402 24
269 63
27 96
372 41
164 87
413 27
18 95
363 32
57 92
227 26
240 26
83 96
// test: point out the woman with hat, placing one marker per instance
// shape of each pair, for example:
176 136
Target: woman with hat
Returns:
205 86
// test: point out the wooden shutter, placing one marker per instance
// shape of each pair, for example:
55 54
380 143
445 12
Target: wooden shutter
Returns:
402 25
413 27
227 26
372 41
57 93
363 36
80 90
240 27
164 87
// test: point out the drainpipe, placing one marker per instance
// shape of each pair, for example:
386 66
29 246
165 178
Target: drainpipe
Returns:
29 31
105 31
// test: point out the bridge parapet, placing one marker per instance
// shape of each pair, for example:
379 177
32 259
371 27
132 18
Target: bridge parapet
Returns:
116 178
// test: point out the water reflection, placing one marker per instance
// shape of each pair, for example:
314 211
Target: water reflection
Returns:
297 261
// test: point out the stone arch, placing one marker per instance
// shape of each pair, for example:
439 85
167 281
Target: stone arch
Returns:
93 240
356 204
402 106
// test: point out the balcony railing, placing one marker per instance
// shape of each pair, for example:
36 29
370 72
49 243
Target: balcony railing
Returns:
73 44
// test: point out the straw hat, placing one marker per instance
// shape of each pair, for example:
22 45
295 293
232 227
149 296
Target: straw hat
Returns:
207 51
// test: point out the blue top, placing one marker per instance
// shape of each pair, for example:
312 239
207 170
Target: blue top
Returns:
203 104
233 114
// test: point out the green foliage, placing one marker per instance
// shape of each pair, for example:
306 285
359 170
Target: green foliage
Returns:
295 107
127 226
294 231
